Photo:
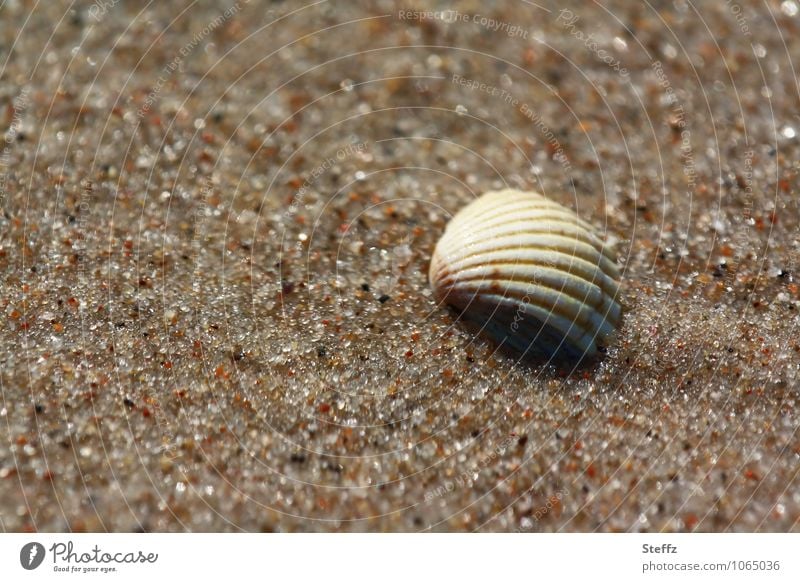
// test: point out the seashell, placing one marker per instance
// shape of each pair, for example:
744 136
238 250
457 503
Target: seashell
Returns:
530 274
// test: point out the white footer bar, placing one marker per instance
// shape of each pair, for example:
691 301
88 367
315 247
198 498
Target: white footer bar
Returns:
386 557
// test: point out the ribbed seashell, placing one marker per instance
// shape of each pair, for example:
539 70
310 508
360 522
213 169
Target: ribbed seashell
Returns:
530 274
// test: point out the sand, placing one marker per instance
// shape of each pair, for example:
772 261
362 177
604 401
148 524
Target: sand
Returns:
215 232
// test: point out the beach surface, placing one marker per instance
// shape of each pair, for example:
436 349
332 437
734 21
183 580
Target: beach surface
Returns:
216 221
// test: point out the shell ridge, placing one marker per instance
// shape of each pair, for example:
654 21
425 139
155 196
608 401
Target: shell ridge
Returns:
572 263
605 283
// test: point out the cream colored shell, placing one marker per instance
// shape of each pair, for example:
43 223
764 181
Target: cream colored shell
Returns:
530 274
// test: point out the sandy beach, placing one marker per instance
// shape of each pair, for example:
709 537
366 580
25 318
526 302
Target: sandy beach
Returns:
216 221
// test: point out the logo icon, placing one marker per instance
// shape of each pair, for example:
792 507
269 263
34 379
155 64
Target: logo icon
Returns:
31 555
